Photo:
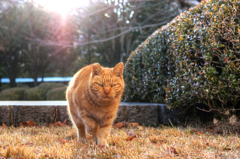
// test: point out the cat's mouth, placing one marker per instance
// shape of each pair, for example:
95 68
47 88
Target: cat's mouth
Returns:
107 97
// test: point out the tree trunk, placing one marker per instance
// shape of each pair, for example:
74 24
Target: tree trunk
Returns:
42 73
11 73
88 48
35 72
35 67
122 48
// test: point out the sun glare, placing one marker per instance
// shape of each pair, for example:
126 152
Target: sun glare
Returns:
62 6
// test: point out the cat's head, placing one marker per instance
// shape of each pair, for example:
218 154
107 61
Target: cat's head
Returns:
107 83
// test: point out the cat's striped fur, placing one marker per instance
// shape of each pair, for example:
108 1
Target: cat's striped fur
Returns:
94 95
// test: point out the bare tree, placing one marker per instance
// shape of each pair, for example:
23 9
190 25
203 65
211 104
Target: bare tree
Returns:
119 26
12 19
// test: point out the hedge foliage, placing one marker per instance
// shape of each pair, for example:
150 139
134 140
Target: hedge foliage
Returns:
40 92
196 58
17 93
57 93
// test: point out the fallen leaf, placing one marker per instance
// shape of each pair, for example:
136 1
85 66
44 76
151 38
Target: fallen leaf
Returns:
227 112
227 148
28 123
173 150
50 125
233 120
131 134
61 141
193 131
121 124
211 127
130 138
4 126
27 143
31 123
157 140
215 121
23 124
59 123
210 131
134 124
199 133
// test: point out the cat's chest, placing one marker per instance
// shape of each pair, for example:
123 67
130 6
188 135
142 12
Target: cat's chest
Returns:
102 115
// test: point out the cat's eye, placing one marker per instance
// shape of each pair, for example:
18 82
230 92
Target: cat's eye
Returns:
100 85
113 85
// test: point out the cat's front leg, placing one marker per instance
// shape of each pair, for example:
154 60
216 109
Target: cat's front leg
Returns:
103 133
92 127
81 134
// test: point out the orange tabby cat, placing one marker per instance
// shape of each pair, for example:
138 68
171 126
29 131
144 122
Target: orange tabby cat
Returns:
94 94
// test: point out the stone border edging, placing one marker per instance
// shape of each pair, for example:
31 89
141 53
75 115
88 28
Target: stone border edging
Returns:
149 114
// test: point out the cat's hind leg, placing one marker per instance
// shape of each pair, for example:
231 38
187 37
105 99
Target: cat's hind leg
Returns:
81 132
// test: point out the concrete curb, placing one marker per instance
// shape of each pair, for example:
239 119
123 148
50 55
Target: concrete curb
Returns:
15 112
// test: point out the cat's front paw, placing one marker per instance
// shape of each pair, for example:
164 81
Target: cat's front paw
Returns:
94 139
102 143
81 140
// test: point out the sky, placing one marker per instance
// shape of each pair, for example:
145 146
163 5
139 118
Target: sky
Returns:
62 6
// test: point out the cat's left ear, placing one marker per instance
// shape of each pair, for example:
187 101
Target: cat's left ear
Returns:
96 69
118 69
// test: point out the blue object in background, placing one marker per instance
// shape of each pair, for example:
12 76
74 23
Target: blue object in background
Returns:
45 79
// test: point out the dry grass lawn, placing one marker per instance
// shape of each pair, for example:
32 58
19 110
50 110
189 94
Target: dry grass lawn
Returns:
143 142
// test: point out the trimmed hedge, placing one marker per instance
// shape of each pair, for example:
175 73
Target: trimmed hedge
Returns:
146 70
196 58
40 92
57 93
207 61
17 93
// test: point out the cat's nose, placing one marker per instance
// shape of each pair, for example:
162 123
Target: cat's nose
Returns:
107 90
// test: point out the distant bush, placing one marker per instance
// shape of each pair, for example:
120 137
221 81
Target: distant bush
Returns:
196 58
57 93
17 93
40 92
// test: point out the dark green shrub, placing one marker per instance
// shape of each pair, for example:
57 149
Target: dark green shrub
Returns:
40 92
207 57
17 93
201 51
57 93
148 68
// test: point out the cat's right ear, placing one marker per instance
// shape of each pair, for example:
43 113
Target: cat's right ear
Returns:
96 69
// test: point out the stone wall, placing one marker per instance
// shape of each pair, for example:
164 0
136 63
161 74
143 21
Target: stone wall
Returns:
148 114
